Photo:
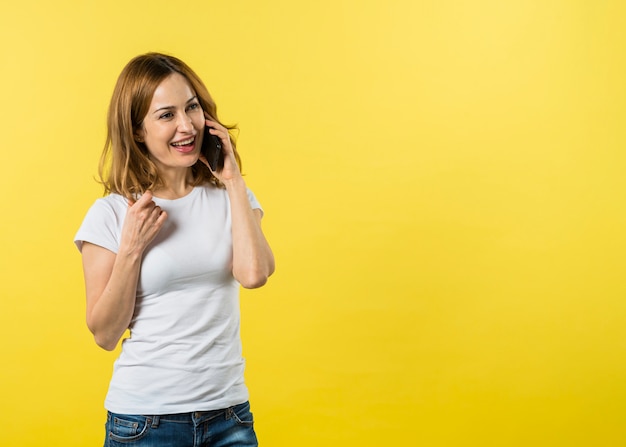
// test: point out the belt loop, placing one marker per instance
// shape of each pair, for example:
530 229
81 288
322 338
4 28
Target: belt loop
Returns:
155 421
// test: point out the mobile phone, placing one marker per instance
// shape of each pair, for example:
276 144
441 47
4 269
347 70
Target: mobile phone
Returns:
212 150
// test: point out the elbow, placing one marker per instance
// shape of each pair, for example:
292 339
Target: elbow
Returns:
106 344
102 340
253 283
255 278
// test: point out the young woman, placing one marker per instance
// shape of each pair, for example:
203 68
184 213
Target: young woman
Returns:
164 254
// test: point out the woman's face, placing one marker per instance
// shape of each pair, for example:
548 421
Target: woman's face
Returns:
173 128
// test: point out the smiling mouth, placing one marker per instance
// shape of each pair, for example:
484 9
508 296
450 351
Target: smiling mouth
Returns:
185 146
184 143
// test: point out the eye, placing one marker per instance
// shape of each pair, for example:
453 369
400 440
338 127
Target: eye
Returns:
193 106
166 115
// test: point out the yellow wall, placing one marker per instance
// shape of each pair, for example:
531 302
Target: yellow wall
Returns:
444 190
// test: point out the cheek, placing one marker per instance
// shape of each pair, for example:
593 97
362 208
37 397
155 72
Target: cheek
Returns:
199 125
198 121
160 133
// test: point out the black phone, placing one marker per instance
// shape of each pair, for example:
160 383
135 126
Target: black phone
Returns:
212 150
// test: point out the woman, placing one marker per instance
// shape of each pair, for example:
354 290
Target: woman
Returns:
164 254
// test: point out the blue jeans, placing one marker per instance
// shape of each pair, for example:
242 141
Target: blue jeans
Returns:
220 428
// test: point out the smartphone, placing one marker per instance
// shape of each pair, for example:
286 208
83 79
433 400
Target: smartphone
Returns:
212 150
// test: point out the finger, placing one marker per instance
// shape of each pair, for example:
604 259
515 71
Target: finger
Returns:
214 125
145 198
221 133
224 136
161 219
156 212
155 225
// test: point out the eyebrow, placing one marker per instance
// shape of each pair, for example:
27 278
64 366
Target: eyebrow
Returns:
160 109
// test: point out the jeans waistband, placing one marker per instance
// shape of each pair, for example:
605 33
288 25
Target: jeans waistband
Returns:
190 417
193 417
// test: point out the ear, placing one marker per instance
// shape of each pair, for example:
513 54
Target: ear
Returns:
139 136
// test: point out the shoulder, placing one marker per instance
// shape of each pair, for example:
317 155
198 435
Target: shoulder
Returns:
113 204
107 211
103 222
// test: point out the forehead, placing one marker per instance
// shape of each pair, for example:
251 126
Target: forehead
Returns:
172 91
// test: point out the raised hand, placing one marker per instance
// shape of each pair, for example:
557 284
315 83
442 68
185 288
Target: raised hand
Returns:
143 221
230 171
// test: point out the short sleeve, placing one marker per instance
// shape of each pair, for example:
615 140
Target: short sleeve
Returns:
254 203
102 224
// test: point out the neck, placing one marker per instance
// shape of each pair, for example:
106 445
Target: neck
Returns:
176 185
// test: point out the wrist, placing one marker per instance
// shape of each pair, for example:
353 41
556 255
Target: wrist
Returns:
129 253
234 183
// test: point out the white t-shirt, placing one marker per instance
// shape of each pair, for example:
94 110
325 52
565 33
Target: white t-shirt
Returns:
184 351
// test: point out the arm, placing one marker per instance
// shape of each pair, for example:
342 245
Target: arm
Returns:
111 279
253 260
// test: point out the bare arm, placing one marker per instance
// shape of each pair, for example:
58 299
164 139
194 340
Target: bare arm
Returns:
111 279
253 260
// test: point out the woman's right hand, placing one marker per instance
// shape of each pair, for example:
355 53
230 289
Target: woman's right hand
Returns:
143 222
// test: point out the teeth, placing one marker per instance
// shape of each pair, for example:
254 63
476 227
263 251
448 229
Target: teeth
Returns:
183 143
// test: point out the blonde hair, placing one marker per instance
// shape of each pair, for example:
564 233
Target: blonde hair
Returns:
125 166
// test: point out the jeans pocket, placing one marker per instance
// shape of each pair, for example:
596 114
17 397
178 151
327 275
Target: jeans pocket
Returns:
127 428
242 414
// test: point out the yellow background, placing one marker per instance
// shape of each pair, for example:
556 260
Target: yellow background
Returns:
444 191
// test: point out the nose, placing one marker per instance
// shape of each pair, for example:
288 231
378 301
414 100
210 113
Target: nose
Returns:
184 123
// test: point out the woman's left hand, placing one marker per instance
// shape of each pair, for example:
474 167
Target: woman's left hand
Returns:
230 171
